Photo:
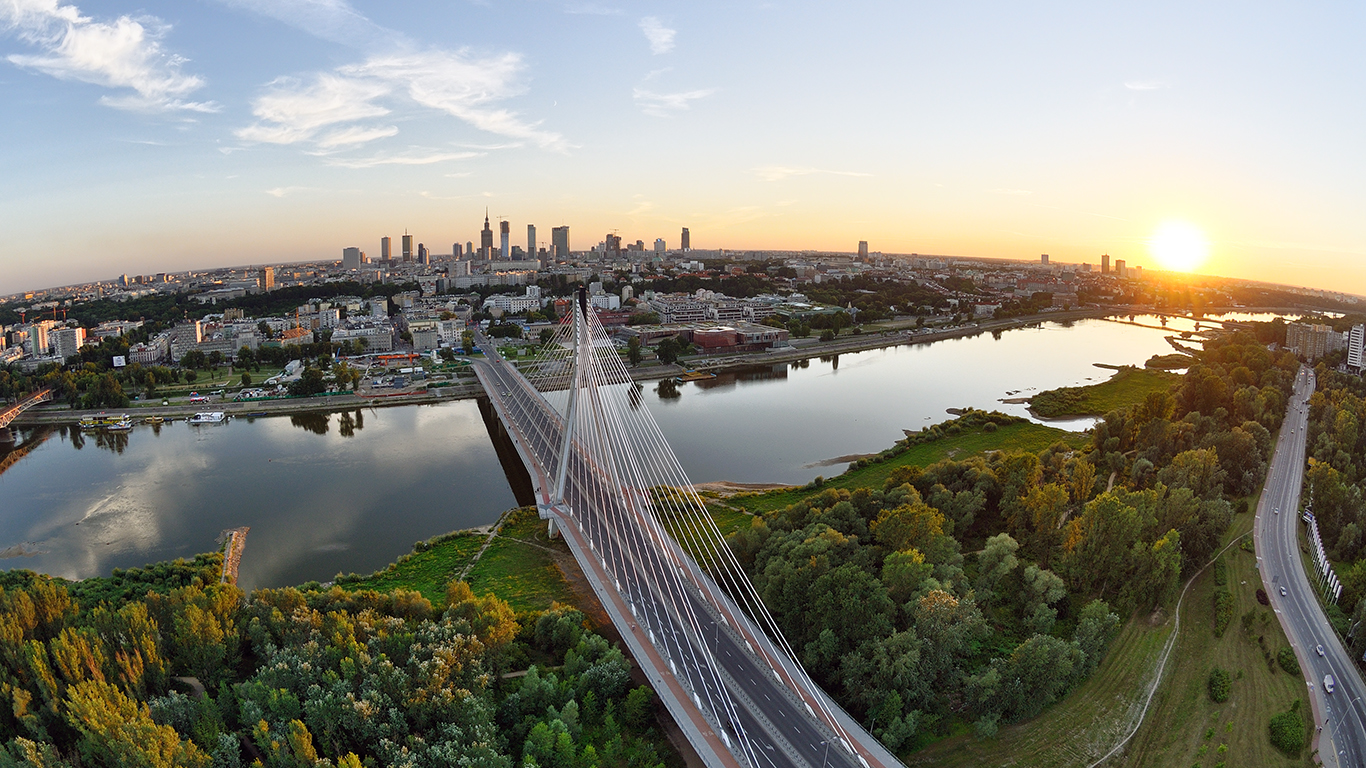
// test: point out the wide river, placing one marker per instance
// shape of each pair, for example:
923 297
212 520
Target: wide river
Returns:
347 492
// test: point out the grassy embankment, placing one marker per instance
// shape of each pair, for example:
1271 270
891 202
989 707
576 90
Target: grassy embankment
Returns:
1024 436
1127 387
1183 727
519 565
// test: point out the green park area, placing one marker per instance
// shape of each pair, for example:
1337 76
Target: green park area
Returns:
1129 386
1179 722
962 439
519 565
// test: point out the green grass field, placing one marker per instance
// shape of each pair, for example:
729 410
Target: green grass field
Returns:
1025 436
519 565
427 572
1092 719
1128 386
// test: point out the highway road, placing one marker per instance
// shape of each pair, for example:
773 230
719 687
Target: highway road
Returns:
661 587
1339 717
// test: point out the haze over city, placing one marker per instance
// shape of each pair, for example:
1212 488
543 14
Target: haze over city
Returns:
165 136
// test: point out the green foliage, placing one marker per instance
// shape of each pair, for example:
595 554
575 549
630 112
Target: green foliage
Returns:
1288 731
1219 685
317 677
1223 611
1286 658
1128 387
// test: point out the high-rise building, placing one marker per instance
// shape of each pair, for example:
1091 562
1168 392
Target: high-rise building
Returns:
469 249
1043 259
456 251
486 239
863 249
531 241
559 242
423 256
1310 341
351 258
1105 264
386 248
407 246
1119 268
67 341
684 241
504 240
659 245
266 281
1356 347
613 245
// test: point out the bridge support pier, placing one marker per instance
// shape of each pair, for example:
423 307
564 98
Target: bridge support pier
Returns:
6 438
552 531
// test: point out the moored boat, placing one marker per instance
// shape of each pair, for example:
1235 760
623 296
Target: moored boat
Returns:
208 417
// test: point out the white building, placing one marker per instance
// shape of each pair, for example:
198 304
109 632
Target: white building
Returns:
67 341
1356 347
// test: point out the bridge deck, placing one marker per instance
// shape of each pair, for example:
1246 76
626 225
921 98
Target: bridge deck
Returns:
692 640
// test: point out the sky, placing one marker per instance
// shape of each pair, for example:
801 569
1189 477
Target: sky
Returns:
158 136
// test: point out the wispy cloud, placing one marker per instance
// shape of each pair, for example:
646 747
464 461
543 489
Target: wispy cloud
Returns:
333 20
415 157
292 111
1144 85
661 37
397 73
592 9
780 172
1001 191
668 104
123 53
284 191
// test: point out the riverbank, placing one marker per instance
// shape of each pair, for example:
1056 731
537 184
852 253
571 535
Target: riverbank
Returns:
802 349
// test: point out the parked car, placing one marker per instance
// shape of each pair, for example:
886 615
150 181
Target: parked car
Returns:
195 397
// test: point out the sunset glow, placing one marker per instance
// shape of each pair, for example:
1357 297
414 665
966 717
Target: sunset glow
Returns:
1179 246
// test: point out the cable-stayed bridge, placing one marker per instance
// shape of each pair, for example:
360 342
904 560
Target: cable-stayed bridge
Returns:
606 479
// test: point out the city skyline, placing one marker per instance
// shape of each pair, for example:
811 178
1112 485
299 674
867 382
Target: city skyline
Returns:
981 130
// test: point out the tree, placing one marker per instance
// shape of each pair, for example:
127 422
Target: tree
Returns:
309 383
633 350
246 359
246 379
467 342
190 376
995 561
668 350
194 359
910 525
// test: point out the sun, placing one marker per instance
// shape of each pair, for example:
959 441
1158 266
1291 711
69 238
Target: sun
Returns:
1179 246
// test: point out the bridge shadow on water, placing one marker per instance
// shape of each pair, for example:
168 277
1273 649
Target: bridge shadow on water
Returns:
519 480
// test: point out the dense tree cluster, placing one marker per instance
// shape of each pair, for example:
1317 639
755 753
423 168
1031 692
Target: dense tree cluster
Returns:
305 678
875 591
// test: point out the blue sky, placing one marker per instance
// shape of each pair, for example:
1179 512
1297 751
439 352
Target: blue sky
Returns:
168 135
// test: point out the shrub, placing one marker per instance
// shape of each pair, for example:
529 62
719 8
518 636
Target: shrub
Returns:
1223 611
989 427
1220 573
1262 598
1219 685
1288 662
1287 731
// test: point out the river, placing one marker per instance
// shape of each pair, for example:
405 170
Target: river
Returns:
347 492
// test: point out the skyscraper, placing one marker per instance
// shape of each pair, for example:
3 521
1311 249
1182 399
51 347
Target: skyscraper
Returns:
351 258
531 241
1105 264
559 242
486 239
863 249
659 245
407 246
469 249
685 242
505 240
386 248
1356 347
423 257
1119 268
456 251
614 245
267 281
1043 259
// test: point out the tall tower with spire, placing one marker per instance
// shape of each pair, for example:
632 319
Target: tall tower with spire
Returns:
486 239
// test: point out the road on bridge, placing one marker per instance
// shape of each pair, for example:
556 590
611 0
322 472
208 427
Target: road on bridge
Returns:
1338 716
652 575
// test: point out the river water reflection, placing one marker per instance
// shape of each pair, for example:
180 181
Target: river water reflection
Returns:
350 492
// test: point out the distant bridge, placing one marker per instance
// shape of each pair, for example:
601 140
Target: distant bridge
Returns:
10 413
605 477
